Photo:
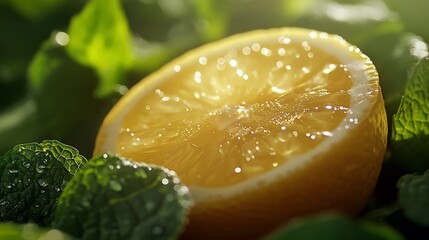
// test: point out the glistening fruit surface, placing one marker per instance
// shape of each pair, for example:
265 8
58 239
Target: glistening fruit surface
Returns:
262 126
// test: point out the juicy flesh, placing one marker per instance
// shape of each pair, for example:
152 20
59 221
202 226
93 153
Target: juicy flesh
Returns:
224 118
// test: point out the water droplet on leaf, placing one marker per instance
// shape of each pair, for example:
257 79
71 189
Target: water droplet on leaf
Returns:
42 182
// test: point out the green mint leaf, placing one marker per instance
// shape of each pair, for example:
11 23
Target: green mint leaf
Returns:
414 196
116 198
32 177
410 130
100 38
334 227
30 231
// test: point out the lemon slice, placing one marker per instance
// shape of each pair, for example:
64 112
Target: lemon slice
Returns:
262 126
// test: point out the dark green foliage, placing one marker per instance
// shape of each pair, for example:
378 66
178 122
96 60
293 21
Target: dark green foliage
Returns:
32 178
330 227
414 196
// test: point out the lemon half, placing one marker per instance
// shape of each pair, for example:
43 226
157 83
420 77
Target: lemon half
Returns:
262 127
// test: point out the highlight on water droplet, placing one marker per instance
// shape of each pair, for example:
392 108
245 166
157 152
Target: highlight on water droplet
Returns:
62 38
165 181
40 168
42 182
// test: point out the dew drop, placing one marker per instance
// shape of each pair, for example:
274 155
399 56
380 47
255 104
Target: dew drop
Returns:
256 47
164 181
62 38
176 180
40 167
327 133
177 68
202 60
284 40
42 182
233 63
266 52
246 51
313 34
13 171
281 52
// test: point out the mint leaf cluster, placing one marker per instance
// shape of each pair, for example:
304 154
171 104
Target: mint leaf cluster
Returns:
108 197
